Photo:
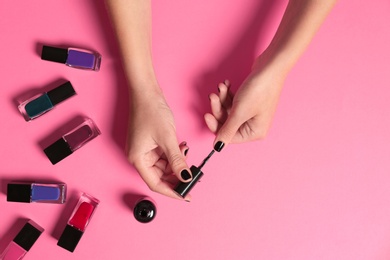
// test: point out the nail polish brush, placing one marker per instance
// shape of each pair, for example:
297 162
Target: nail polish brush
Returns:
183 188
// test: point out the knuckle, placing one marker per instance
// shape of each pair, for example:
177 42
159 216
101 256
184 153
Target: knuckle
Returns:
175 160
226 133
261 134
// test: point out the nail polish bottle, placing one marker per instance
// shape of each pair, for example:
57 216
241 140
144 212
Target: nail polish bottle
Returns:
72 141
23 241
44 102
78 222
183 188
73 57
145 210
28 192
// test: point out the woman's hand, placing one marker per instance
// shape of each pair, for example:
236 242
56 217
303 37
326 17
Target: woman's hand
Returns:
247 114
152 145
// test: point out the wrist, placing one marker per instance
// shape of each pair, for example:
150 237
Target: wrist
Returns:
142 82
144 91
274 62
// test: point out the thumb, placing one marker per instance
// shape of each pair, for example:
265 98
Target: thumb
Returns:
176 160
227 132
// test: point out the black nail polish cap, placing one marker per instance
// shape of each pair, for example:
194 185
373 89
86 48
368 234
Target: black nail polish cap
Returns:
145 211
61 93
54 54
183 188
19 192
58 151
29 234
70 238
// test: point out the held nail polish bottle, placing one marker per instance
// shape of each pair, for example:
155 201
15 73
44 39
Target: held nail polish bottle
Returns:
72 57
23 241
145 210
72 141
78 222
28 192
183 188
42 103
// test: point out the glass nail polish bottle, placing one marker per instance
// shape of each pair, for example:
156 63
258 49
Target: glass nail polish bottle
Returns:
78 222
28 192
72 141
44 102
145 210
73 57
183 188
23 241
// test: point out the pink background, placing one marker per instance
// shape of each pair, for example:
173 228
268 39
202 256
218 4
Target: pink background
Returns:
316 188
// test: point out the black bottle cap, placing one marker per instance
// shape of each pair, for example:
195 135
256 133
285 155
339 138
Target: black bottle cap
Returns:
70 238
145 211
61 93
19 192
58 151
183 188
54 54
28 235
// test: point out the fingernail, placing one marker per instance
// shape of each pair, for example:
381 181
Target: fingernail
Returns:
185 175
187 200
186 151
218 146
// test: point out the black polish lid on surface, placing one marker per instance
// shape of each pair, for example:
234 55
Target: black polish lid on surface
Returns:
145 211
54 54
183 188
58 151
61 93
70 238
27 236
19 192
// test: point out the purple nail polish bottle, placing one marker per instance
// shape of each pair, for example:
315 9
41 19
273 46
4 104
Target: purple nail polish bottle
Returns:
72 57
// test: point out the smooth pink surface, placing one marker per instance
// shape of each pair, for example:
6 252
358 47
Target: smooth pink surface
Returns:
316 188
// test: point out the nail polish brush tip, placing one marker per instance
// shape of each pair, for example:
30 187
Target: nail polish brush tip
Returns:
206 159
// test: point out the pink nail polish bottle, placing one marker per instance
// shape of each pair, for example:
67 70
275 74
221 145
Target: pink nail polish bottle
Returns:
23 241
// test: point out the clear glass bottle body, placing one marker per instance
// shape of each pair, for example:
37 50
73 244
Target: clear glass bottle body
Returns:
13 252
48 193
35 106
81 135
28 192
83 212
83 59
